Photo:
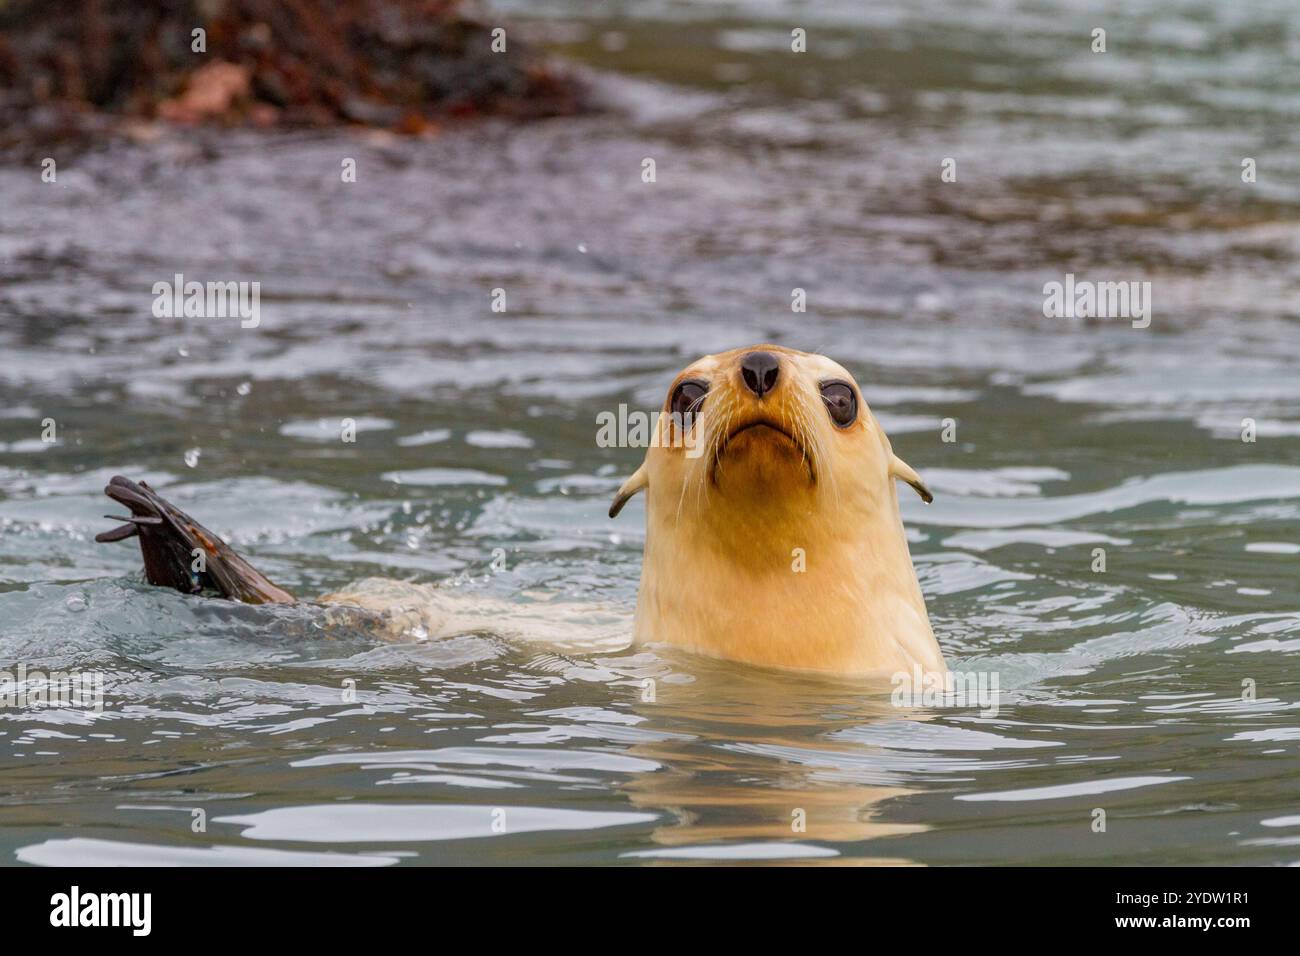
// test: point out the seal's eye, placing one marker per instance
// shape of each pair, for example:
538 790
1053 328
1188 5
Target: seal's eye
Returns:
688 399
841 403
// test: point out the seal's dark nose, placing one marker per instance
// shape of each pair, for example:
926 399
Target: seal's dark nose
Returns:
760 371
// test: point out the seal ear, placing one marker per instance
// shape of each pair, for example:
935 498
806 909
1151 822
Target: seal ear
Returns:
901 469
639 480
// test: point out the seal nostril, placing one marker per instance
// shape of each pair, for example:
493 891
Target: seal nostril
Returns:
759 371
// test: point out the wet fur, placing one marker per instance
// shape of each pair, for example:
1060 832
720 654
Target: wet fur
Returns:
722 530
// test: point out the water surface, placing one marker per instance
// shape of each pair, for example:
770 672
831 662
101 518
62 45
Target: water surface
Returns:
307 740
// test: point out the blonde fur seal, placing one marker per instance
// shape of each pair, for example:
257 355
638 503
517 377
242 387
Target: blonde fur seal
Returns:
773 533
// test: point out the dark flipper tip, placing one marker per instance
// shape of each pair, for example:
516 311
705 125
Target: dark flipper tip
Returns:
117 534
171 543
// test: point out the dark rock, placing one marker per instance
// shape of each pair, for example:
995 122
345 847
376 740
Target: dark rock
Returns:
406 65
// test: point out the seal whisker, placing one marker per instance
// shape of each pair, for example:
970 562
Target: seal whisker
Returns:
681 498
807 444
799 426
820 452
719 438
708 437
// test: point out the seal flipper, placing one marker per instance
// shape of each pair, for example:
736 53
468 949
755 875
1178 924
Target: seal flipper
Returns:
172 542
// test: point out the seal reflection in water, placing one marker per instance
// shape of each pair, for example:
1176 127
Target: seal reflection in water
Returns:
748 759
773 534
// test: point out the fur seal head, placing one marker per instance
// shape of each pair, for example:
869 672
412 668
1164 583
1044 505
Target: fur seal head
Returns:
773 533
